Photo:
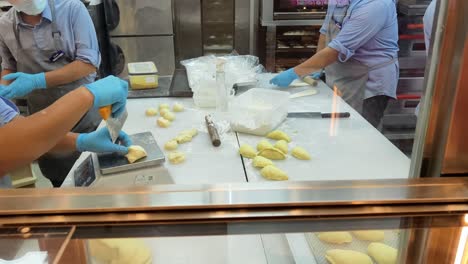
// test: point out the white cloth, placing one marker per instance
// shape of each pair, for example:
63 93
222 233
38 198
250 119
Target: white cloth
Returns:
29 258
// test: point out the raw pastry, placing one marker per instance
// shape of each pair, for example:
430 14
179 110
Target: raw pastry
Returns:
178 107
279 135
161 106
261 162
340 256
191 132
264 144
300 153
164 111
176 157
272 173
135 153
169 116
370 235
163 122
272 153
171 145
183 138
335 237
283 146
120 251
151 111
382 253
247 151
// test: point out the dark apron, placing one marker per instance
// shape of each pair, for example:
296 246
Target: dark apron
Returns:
34 60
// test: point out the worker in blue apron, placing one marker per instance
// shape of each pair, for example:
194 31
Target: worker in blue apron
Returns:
48 49
359 54
48 131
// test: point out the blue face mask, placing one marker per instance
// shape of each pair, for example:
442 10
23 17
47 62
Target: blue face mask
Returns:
31 7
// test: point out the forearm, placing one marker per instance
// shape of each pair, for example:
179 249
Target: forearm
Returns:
317 62
5 72
321 42
26 139
69 73
66 145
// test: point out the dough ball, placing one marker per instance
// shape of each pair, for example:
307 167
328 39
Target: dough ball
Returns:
264 144
120 251
169 116
151 111
247 151
272 173
163 122
382 254
279 135
261 162
300 153
340 256
164 111
135 153
335 237
282 145
162 106
183 138
191 132
272 153
171 145
176 157
370 235
177 107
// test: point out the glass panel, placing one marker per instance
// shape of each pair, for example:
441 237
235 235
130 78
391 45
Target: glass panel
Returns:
218 26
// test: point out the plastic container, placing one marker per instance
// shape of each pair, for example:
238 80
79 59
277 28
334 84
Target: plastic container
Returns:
204 101
258 111
143 75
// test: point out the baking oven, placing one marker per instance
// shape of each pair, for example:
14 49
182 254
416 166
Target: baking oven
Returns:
299 9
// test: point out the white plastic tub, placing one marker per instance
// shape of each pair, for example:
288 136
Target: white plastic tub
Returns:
258 111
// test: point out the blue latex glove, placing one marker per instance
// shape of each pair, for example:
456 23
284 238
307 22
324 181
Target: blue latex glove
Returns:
317 75
285 78
100 142
23 84
110 91
7 112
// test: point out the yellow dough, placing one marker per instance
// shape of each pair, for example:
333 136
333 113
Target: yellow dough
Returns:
335 237
176 157
183 138
191 132
261 162
282 145
272 153
247 151
171 145
279 135
382 253
135 153
369 235
178 107
169 116
120 251
300 153
151 111
163 122
272 173
340 256
162 106
164 111
264 144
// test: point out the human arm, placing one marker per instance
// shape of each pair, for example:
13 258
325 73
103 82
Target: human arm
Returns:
3 73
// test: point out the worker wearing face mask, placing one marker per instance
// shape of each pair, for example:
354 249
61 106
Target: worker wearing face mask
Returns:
358 48
49 48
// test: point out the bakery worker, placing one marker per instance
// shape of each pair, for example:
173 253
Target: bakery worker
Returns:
358 47
49 48
24 139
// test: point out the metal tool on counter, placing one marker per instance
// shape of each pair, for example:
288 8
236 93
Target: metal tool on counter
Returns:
212 131
318 115
114 125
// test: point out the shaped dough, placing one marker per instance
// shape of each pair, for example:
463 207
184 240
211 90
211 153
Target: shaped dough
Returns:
135 153
164 111
171 145
279 135
282 145
120 251
264 144
169 116
340 256
335 237
183 138
247 151
370 235
272 153
272 173
176 157
178 107
300 153
261 162
382 253
161 106
151 111
191 132
163 122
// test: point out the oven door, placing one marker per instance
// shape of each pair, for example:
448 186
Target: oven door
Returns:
299 9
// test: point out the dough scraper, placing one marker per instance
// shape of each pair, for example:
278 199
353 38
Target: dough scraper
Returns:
114 125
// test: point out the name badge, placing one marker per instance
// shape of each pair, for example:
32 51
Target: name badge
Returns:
56 56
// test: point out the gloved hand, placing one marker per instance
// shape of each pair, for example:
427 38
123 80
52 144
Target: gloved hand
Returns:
23 84
110 91
317 75
100 141
285 78
7 113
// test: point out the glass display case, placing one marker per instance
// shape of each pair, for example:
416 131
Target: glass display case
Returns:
218 23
